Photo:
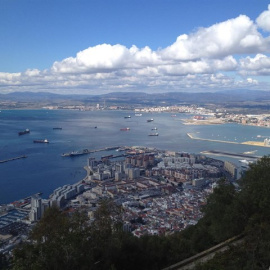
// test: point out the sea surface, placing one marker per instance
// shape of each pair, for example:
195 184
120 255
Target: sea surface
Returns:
45 169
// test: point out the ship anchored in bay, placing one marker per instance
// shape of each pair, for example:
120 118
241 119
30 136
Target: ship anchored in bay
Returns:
26 131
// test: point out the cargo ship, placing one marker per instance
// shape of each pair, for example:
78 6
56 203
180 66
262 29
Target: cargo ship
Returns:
153 134
24 132
41 141
125 129
150 120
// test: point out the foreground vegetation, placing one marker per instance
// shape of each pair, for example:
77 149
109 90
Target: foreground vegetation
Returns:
63 241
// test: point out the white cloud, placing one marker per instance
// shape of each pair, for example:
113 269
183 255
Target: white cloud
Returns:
195 62
32 72
263 20
9 78
235 36
106 58
252 81
258 65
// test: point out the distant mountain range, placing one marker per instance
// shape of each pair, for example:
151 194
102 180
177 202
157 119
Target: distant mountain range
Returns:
227 98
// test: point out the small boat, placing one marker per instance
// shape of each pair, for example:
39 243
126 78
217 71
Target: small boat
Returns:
154 128
245 161
127 117
250 152
138 114
150 120
125 129
41 141
121 149
57 128
24 132
153 134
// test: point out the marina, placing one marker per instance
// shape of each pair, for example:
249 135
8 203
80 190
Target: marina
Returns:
11 217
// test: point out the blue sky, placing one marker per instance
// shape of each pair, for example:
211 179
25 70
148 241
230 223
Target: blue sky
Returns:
91 47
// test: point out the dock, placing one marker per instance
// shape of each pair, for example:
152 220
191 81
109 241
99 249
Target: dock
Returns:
11 159
87 151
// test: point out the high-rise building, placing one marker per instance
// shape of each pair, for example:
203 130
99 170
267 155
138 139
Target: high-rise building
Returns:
36 208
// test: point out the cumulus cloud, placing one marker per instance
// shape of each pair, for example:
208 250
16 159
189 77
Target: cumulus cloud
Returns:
107 58
198 61
32 72
252 81
235 36
257 66
263 20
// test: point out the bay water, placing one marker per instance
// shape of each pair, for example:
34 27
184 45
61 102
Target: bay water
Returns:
45 169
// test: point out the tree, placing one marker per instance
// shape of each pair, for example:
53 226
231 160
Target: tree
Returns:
253 214
256 189
4 262
58 242
221 215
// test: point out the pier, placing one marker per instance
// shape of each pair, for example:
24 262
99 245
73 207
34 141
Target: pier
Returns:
11 159
87 151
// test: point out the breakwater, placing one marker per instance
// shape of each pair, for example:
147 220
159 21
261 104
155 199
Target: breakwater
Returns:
253 143
11 159
209 140
229 154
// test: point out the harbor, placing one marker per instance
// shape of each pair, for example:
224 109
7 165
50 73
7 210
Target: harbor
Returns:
45 168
